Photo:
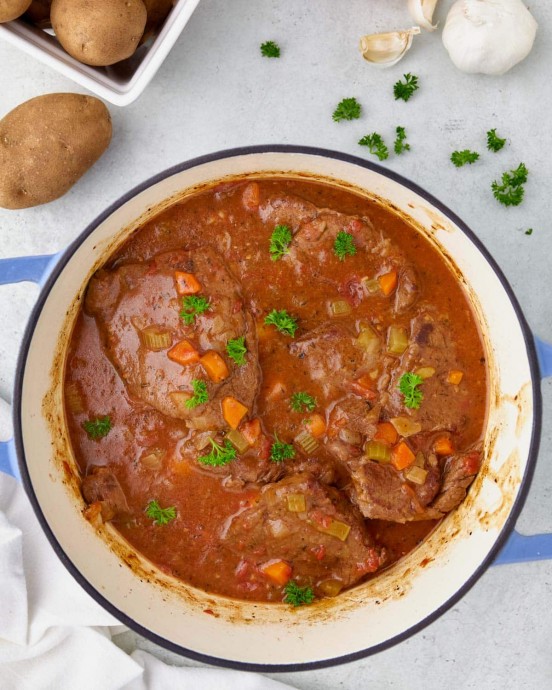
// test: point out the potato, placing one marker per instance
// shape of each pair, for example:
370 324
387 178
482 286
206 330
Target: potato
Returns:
11 9
158 11
101 32
47 144
39 13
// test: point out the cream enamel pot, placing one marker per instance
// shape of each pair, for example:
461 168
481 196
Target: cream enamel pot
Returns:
272 637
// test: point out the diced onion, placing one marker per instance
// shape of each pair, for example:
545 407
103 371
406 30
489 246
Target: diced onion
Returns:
296 503
238 440
331 588
420 459
367 340
339 308
397 340
155 338
352 437
278 528
180 398
416 474
152 458
307 442
371 285
405 426
377 451
425 372
336 528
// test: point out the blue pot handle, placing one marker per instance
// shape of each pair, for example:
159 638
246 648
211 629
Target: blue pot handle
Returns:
8 459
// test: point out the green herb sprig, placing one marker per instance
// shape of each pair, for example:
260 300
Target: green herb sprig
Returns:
302 401
298 596
160 516
97 428
219 455
409 386
279 242
344 245
494 142
400 145
270 49
347 109
460 158
281 451
284 322
193 305
375 145
236 350
200 395
510 190
405 89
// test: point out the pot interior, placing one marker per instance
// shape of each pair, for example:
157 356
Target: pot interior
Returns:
234 632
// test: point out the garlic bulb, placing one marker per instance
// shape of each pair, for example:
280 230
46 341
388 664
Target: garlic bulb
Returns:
422 13
387 49
488 36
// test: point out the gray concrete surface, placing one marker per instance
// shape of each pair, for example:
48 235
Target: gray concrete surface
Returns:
215 91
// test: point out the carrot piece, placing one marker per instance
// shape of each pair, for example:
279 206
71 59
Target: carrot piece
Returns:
233 411
401 456
455 376
251 196
364 386
277 571
386 433
315 425
388 282
443 446
251 431
183 353
215 366
186 283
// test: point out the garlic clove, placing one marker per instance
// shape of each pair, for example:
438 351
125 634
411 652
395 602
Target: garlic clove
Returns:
387 49
422 13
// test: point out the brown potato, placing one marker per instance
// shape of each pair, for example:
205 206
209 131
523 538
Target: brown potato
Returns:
39 13
101 32
11 9
47 144
158 11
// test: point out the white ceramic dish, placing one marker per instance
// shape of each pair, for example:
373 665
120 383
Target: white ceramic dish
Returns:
360 621
119 84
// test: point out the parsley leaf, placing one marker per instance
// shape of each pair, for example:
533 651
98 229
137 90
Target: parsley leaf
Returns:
220 455
298 596
494 142
529 231
279 242
97 428
400 146
404 90
344 245
283 321
408 386
302 401
200 395
160 516
460 158
270 49
281 451
347 109
376 145
193 305
511 191
236 350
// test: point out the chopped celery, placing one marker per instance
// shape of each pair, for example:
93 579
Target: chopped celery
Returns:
397 340
296 503
377 451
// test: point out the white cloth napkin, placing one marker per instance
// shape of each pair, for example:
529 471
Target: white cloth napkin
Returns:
54 636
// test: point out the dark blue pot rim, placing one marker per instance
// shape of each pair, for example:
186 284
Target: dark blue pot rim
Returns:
310 665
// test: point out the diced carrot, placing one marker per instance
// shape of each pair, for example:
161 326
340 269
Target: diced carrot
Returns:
388 282
233 411
364 386
251 431
316 425
183 353
386 433
401 456
455 376
251 196
443 446
186 283
277 571
215 366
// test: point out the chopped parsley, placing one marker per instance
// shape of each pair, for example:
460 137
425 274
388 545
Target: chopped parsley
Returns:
344 245
347 109
283 321
404 89
494 142
236 350
97 428
460 158
375 145
529 231
279 242
219 455
298 596
270 49
409 386
302 401
193 305
400 145
281 451
511 191
200 395
160 516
